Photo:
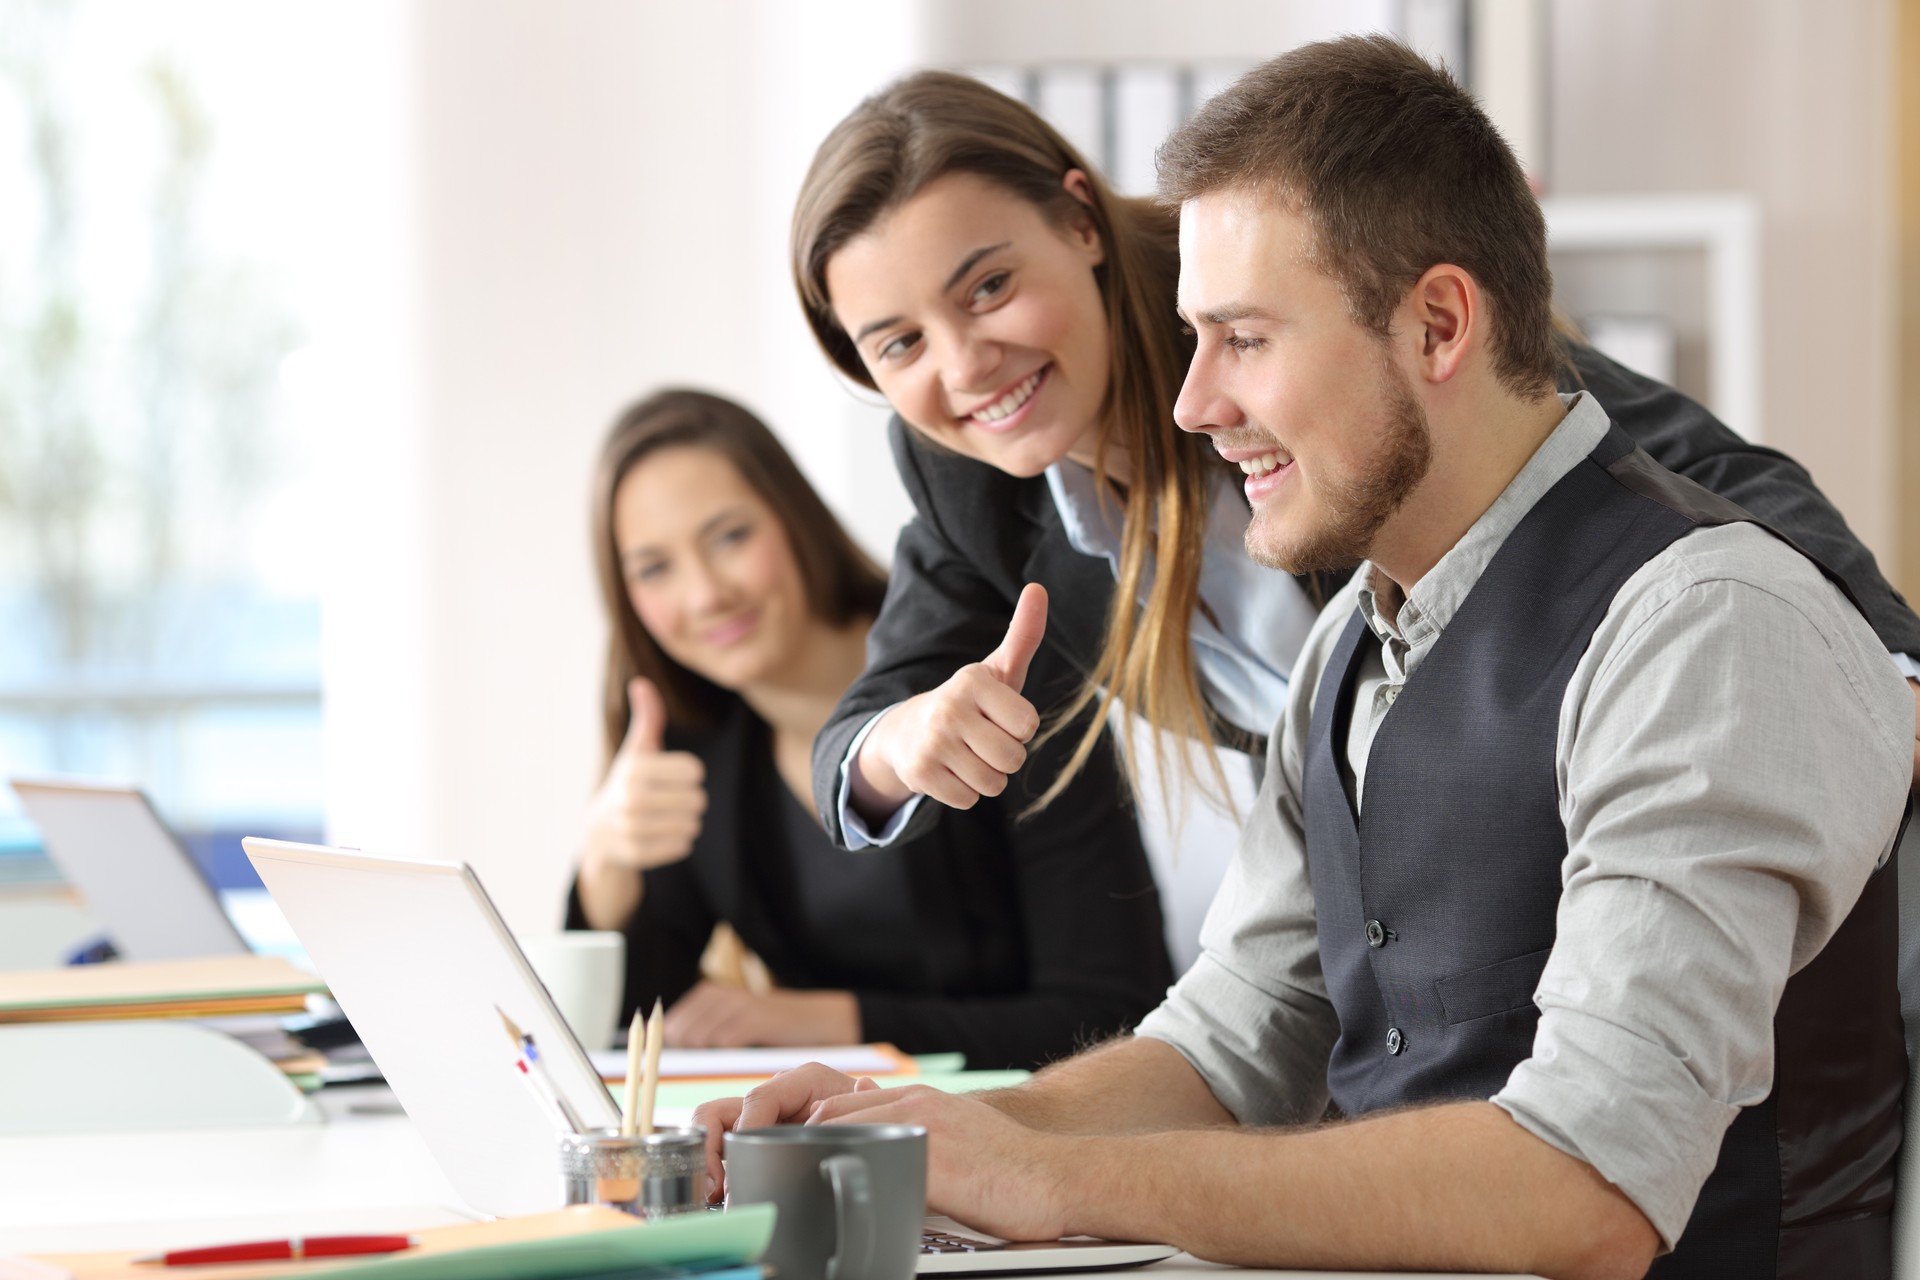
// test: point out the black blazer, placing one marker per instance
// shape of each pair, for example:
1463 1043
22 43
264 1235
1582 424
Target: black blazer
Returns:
1026 940
978 535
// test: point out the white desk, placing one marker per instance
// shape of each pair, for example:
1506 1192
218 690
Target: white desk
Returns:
364 1170
358 1172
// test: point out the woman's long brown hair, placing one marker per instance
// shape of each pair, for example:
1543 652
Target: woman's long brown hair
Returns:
935 123
842 583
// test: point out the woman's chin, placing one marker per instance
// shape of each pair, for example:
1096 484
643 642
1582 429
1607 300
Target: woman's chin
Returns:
1023 457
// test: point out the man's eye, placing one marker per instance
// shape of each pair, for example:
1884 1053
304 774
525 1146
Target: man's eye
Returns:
1245 344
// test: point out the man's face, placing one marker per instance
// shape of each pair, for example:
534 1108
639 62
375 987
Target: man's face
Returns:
1288 385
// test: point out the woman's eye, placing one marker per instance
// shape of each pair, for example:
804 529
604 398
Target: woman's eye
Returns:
992 285
648 572
899 347
734 536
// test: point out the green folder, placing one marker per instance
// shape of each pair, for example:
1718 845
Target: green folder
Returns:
687 1243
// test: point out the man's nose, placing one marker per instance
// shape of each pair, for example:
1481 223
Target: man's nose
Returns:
1202 405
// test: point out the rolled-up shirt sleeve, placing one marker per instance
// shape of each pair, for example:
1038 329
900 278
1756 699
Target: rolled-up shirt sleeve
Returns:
1734 756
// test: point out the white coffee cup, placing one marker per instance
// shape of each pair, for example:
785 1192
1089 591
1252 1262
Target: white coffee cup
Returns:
585 972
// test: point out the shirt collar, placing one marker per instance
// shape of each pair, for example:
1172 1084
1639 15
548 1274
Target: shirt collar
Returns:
1430 606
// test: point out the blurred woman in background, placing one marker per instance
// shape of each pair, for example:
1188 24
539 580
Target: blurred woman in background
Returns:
740 611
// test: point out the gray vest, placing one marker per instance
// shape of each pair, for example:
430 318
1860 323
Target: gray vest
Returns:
1436 907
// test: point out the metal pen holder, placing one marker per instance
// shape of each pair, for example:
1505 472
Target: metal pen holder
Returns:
651 1176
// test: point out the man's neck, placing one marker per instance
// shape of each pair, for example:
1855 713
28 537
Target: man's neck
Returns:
1476 456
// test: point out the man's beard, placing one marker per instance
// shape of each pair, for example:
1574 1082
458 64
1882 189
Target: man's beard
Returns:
1357 508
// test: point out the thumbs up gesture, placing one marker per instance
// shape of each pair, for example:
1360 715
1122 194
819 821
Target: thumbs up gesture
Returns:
962 740
649 809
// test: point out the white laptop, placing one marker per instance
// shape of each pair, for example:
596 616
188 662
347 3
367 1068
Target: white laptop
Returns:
419 959
110 844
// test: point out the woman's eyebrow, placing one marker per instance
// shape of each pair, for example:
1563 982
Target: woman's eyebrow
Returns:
725 517
967 264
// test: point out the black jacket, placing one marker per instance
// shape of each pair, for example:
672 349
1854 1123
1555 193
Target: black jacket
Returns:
1014 943
978 535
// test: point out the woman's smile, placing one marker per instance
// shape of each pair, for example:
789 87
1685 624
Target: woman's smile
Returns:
731 631
1009 410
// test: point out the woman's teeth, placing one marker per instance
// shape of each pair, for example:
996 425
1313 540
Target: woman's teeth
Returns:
1010 402
1266 463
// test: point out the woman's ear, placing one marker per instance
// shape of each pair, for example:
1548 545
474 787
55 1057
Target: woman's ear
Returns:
1077 184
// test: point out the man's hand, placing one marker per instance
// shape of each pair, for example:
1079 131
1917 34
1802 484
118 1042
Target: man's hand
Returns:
984 1168
788 1098
711 1016
961 741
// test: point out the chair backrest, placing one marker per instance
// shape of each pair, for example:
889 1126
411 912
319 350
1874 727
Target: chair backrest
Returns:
105 1077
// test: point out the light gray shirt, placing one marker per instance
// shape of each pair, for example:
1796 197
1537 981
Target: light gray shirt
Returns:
1733 757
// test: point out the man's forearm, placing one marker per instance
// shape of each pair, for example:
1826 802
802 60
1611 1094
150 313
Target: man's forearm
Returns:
1133 1084
1456 1187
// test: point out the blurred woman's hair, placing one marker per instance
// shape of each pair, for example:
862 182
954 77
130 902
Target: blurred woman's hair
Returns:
842 582
933 124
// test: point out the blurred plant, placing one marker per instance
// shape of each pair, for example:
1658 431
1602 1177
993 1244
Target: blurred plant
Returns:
131 436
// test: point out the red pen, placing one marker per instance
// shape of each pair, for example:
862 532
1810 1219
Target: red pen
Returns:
268 1250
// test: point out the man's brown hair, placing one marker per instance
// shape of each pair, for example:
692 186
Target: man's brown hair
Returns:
1395 168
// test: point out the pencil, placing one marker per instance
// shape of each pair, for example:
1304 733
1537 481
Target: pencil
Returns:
650 1076
630 1110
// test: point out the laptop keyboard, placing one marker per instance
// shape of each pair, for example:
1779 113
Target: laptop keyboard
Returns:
941 1242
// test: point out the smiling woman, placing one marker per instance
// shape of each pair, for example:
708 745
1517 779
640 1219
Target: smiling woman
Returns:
740 611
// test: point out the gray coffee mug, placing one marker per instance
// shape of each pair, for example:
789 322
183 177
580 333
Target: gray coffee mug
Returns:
852 1198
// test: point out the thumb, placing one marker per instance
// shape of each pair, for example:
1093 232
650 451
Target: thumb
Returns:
649 718
1024 634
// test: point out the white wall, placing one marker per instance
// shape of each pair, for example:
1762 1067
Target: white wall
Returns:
1790 102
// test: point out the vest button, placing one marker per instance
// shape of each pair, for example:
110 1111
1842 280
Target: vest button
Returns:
1376 934
1396 1042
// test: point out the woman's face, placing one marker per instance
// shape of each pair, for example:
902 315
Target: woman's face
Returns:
981 321
708 567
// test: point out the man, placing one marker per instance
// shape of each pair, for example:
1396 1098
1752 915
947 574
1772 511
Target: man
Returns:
1562 886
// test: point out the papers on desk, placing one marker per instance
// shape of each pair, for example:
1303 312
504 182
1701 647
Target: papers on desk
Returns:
747 1064
212 986
586 1240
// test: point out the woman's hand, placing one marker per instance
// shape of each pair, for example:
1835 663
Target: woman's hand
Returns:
649 810
962 740
711 1016
646 813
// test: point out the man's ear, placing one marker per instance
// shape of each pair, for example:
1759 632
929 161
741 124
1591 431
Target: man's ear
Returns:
1444 312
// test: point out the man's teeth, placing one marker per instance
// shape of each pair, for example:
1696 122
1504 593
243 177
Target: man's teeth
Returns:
1011 401
1266 463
